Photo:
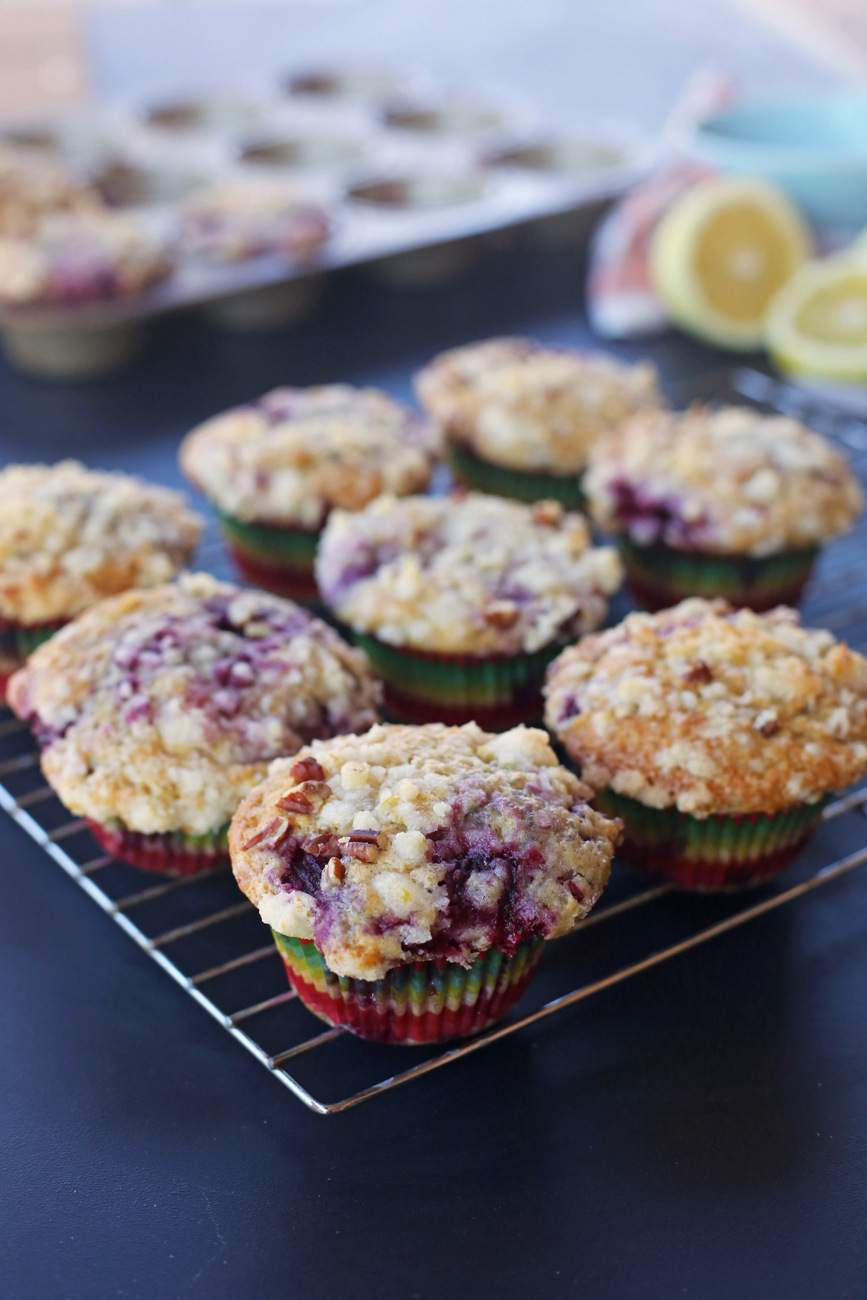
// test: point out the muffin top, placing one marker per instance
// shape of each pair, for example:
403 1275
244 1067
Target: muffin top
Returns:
31 188
294 454
712 710
411 843
236 221
77 257
466 574
731 480
71 535
163 708
524 406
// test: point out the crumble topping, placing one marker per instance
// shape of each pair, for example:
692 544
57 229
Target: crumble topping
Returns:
467 574
31 189
727 481
416 842
712 710
162 708
524 406
234 222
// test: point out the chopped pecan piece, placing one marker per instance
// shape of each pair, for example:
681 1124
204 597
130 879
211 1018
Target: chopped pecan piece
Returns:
307 769
263 834
501 613
698 674
364 851
295 801
770 728
364 837
321 846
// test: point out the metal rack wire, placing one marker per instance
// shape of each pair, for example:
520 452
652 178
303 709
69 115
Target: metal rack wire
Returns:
210 941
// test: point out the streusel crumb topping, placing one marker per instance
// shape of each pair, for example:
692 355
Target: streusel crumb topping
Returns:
713 710
417 842
236 221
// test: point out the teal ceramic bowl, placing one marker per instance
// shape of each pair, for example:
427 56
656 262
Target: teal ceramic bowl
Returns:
813 146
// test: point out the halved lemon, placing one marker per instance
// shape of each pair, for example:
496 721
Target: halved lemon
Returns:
817 324
721 253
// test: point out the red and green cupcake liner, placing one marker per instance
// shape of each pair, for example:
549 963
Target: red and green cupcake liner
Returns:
520 484
660 576
276 558
424 1002
719 852
497 691
17 641
171 853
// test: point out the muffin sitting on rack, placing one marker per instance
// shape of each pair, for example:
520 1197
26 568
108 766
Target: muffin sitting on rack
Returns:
521 418
462 601
159 710
69 536
728 503
716 734
275 468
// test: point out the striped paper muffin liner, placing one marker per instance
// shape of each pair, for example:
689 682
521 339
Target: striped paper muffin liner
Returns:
278 559
425 1002
710 853
17 641
660 576
520 484
497 691
172 853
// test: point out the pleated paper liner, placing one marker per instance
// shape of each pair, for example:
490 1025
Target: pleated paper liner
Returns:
278 559
520 484
711 853
17 641
425 1002
172 853
660 576
496 691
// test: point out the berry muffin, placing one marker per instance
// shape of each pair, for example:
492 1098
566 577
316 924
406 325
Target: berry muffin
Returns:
274 470
716 734
729 503
461 602
32 189
157 711
521 418
69 536
411 876
237 222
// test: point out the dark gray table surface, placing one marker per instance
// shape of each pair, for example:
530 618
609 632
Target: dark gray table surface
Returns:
699 1131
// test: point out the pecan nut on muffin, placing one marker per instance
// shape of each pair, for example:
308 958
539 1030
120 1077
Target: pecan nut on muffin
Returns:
69 536
275 468
520 418
411 876
716 734
461 602
729 503
157 711
236 222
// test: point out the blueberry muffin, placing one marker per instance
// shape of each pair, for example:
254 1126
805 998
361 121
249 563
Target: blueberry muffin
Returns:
520 418
728 502
69 536
235 222
716 734
412 876
462 601
157 711
275 468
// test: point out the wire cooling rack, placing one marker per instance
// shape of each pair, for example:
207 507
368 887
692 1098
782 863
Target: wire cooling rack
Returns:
212 943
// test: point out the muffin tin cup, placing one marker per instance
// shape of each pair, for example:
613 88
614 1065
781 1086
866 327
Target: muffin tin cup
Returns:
520 484
424 1002
495 691
278 559
270 307
710 854
660 576
17 641
82 352
171 853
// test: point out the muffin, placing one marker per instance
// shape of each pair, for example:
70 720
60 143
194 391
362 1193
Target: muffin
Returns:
234 222
411 876
520 418
461 602
728 502
157 711
717 735
69 536
31 189
274 470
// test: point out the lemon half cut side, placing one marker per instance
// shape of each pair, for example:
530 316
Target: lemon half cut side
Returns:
817 324
720 255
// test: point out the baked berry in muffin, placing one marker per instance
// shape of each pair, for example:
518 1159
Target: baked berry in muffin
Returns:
412 875
158 710
716 734
69 536
726 502
234 222
276 467
520 418
462 601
